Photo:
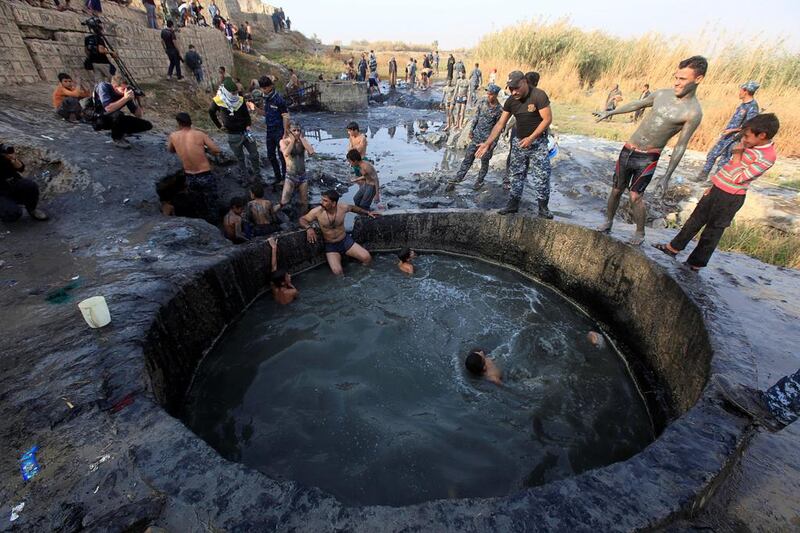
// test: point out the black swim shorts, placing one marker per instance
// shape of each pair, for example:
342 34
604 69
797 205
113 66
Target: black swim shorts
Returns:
340 247
635 169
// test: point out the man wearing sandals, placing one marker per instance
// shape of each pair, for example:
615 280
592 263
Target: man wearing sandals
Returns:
753 156
674 110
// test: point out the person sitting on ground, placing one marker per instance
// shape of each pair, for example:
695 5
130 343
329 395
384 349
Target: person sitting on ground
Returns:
479 365
260 213
369 186
355 139
113 97
16 190
67 97
232 224
329 218
195 63
751 157
294 148
190 145
283 291
406 255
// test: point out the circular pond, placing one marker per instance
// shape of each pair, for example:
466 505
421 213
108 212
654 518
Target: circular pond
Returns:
359 386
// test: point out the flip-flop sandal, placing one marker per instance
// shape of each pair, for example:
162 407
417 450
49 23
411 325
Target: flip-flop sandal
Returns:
694 267
506 185
663 248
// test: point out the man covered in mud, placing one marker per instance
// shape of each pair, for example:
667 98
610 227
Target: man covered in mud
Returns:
460 100
329 218
369 187
675 110
448 105
260 213
294 147
486 116
190 146
728 137
530 107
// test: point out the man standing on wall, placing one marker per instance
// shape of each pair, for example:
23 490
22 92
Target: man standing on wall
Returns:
169 41
728 137
674 110
276 117
530 106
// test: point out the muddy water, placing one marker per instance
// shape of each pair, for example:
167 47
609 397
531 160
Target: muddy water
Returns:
359 386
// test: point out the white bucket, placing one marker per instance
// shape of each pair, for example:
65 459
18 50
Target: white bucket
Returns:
95 311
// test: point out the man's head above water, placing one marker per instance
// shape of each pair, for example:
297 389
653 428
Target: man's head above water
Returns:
476 362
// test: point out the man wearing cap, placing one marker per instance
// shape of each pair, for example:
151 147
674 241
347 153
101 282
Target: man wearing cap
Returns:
746 110
276 117
531 109
486 116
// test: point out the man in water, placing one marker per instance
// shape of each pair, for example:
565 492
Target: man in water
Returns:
232 223
486 116
479 365
283 291
355 139
674 110
190 146
728 137
369 187
406 255
260 212
329 217
294 148
531 109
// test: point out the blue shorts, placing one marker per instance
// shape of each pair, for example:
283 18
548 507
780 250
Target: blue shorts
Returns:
298 180
340 247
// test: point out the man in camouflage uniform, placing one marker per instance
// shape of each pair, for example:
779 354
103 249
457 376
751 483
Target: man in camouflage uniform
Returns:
746 110
486 116
530 106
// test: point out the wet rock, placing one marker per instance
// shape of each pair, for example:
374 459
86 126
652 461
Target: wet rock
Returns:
67 519
436 138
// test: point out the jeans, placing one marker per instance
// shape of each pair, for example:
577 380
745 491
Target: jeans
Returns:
204 185
715 211
174 62
238 142
151 16
364 196
198 74
275 156
69 106
18 192
121 124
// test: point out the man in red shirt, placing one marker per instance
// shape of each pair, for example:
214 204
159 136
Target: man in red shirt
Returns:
753 156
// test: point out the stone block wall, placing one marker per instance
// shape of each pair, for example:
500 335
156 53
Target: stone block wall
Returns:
343 96
41 42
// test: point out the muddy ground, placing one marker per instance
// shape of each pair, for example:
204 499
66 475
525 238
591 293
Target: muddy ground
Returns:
106 223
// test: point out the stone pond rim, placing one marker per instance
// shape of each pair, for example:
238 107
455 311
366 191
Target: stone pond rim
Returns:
676 336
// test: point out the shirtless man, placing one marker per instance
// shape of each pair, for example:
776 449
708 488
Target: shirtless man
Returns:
448 99
232 223
674 110
294 148
480 365
260 212
355 139
283 291
369 186
329 216
462 90
190 146
406 255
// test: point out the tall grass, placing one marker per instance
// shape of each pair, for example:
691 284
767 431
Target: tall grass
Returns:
579 67
767 244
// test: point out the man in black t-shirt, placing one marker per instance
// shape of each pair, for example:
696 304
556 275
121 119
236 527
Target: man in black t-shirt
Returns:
168 39
531 109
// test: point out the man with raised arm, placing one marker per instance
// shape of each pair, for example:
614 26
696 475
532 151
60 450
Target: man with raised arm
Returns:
674 110
329 218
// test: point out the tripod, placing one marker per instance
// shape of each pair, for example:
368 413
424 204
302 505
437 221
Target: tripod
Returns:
95 25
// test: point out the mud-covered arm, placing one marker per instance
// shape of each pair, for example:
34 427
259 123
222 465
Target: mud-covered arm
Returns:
680 148
628 108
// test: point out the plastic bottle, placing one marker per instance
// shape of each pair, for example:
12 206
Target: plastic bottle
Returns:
28 464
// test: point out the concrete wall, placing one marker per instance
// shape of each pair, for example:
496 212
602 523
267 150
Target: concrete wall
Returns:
343 96
39 43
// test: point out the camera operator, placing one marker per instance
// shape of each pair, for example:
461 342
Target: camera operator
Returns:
16 190
113 97
97 53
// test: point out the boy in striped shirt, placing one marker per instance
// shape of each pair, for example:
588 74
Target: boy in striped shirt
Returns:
753 156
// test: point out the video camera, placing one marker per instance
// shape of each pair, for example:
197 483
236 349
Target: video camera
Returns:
94 24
